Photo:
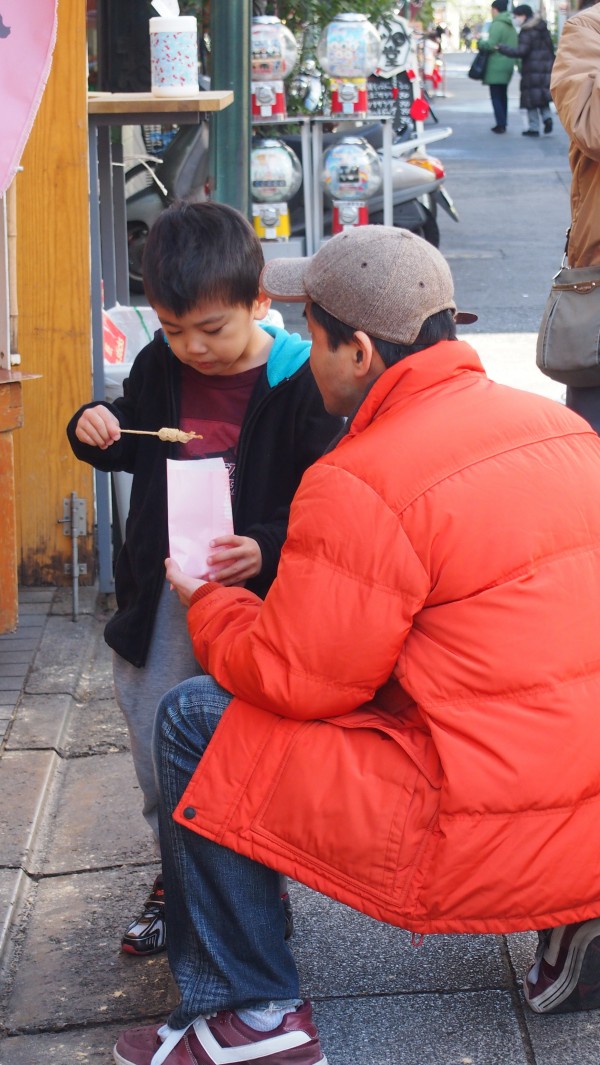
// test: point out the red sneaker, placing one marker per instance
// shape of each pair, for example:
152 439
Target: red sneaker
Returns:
220 1040
565 977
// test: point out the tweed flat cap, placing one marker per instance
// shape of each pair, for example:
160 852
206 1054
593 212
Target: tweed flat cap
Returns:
380 279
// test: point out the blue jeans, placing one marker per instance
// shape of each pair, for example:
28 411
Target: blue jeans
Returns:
224 912
499 98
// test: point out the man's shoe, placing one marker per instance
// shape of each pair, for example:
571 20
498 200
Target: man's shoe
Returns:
223 1040
498 129
547 125
148 933
530 133
566 974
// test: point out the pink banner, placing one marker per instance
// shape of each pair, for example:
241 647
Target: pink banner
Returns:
27 36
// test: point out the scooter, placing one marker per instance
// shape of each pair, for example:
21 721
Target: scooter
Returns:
417 179
153 182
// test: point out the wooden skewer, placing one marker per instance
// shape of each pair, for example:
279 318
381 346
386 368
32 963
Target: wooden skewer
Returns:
173 436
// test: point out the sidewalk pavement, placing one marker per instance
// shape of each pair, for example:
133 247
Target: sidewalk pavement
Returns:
76 862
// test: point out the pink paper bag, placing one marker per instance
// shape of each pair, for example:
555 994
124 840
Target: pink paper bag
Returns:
199 502
27 36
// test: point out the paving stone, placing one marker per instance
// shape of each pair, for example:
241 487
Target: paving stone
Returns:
24 776
569 1039
96 727
32 608
97 674
29 622
9 883
13 656
98 820
19 641
9 684
40 721
71 971
480 1028
338 948
62 602
91 1046
64 648
37 594
15 669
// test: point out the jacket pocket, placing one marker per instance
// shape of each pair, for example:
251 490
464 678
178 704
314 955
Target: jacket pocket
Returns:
343 805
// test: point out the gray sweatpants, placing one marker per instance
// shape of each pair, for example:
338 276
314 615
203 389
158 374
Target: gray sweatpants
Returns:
138 691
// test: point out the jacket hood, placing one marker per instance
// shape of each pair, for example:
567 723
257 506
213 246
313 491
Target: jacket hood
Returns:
530 23
504 16
288 353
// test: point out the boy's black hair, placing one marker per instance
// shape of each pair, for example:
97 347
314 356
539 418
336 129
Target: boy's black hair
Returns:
199 252
523 9
500 5
440 326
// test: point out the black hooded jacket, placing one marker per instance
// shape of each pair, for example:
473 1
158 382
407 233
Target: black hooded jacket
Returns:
285 429
536 52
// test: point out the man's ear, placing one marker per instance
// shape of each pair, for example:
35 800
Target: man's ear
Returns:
367 362
261 306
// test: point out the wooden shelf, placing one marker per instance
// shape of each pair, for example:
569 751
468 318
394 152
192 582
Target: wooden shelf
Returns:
122 103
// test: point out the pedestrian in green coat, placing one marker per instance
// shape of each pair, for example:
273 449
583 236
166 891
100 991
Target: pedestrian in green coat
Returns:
499 69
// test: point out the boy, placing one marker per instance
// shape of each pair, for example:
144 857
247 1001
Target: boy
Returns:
249 392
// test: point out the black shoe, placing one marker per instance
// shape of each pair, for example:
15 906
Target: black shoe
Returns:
498 129
547 125
148 933
530 133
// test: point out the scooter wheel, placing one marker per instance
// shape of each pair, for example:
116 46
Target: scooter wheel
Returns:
430 230
137 233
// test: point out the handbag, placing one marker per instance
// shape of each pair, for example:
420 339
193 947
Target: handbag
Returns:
477 68
568 343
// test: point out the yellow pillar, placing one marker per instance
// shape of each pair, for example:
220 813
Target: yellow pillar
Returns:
11 416
54 331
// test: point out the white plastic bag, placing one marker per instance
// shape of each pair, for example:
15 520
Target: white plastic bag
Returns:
199 502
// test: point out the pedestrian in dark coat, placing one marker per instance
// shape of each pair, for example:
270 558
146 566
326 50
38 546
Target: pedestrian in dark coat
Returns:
536 52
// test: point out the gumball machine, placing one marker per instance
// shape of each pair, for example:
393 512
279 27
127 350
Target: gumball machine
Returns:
348 51
351 173
275 176
274 55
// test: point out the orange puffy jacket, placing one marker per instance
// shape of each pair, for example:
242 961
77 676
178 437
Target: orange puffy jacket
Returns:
416 722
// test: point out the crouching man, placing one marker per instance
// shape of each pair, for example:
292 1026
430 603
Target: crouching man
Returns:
410 721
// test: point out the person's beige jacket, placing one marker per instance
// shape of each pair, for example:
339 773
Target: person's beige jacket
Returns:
575 88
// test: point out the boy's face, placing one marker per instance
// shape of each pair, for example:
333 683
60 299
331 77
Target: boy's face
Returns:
215 338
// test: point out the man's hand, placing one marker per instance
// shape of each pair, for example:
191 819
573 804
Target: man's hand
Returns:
180 582
98 427
234 560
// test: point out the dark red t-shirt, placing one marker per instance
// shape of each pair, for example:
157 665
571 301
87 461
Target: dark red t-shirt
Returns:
215 407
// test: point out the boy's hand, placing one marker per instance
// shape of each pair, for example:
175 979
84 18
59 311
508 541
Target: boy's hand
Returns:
180 582
234 560
98 427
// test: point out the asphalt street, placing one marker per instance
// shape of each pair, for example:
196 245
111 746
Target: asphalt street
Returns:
75 858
